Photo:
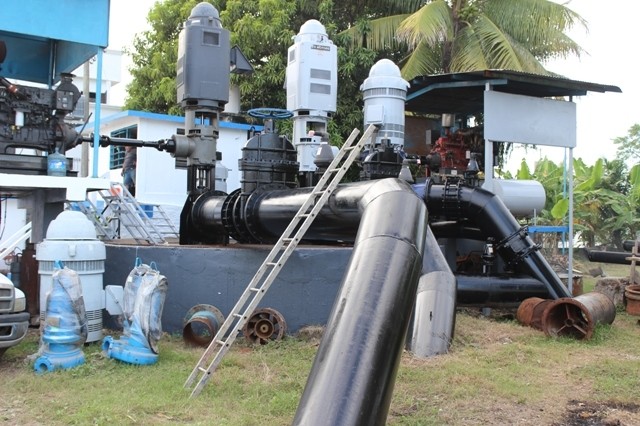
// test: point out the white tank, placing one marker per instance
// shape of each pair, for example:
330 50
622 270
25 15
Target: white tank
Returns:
523 198
71 238
384 93
312 89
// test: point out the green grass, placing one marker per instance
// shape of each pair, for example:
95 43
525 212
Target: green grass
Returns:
492 364
497 372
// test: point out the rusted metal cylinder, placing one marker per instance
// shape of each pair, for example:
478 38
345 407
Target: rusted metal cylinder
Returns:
201 323
530 312
577 317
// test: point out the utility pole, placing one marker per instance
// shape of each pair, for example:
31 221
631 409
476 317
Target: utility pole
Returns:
84 157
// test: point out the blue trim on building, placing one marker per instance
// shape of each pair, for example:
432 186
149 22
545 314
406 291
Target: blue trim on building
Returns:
170 118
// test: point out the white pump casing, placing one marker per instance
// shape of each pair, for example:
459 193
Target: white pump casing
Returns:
312 70
384 93
71 238
312 89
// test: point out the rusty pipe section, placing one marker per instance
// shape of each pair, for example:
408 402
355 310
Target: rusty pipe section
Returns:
487 212
530 312
574 317
200 324
577 317
353 374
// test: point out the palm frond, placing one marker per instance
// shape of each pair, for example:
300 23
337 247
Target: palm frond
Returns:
378 34
423 60
528 62
396 6
499 49
467 52
539 24
390 7
432 24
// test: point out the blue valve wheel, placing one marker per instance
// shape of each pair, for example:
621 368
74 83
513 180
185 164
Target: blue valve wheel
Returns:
275 113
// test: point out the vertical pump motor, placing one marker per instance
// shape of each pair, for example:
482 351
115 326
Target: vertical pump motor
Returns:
312 83
384 93
202 80
203 90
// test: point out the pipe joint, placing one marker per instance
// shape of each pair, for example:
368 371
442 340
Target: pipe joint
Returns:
515 248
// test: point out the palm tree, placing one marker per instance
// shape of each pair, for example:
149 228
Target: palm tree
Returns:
445 36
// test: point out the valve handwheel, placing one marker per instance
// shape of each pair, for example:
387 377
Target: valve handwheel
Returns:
273 113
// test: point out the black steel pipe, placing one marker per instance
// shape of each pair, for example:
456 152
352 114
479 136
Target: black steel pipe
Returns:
488 212
105 141
616 257
353 373
453 229
628 245
269 212
498 291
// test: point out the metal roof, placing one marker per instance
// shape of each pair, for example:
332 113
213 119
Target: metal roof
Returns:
463 93
44 39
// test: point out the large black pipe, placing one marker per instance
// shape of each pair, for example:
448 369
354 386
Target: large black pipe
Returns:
628 245
616 257
488 212
501 291
353 373
268 214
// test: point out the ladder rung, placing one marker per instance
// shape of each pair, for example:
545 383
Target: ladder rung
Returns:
271 264
221 342
202 369
255 289
337 169
238 316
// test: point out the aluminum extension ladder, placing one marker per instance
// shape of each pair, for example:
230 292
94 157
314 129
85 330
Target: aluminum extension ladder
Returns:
275 260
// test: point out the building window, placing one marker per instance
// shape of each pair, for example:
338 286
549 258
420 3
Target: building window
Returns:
103 97
116 153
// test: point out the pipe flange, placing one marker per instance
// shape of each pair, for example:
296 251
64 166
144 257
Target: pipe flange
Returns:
227 214
195 212
451 207
252 225
232 219
243 234
518 249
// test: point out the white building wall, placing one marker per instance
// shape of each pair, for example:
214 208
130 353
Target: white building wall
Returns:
157 179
